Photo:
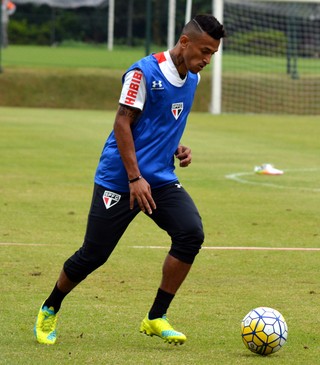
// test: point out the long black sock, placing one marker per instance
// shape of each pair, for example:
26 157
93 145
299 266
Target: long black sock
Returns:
55 299
160 304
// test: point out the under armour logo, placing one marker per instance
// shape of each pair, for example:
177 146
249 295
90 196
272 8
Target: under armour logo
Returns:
157 85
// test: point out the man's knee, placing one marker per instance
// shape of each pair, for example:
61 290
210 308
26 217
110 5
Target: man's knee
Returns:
84 262
186 246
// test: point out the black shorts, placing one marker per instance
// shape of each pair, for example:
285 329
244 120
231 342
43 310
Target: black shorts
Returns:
110 216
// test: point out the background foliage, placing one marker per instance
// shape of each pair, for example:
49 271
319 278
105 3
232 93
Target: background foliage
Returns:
43 25
87 24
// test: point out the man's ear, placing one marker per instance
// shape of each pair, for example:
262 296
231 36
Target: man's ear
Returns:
184 40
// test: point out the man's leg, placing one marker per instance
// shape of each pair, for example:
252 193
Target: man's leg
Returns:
180 218
105 228
156 323
62 288
45 327
174 272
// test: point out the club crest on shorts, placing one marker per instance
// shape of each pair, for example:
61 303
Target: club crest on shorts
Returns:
176 109
110 199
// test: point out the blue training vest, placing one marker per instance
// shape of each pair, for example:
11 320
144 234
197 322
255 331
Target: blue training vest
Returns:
156 133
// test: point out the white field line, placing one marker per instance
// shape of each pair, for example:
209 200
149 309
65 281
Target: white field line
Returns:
239 177
217 248
241 248
25 244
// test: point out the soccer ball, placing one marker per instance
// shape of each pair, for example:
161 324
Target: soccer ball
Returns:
264 331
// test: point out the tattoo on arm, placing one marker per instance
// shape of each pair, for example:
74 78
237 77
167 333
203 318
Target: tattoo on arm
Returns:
128 112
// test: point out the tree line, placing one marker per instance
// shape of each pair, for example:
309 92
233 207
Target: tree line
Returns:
44 25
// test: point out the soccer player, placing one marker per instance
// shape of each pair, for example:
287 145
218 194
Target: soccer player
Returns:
136 173
8 9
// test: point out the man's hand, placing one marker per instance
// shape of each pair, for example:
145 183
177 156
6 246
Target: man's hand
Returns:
141 192
183 153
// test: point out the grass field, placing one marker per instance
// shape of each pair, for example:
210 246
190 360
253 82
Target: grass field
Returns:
90 78
48 158
121 57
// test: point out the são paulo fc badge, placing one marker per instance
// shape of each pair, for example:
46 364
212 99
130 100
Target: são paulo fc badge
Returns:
110 199
176 109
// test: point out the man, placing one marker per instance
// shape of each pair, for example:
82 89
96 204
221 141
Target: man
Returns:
8 9
136 173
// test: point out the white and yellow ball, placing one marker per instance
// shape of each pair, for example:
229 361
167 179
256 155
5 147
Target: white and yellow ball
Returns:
264 330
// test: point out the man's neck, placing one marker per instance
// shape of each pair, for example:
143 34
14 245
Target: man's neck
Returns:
179 63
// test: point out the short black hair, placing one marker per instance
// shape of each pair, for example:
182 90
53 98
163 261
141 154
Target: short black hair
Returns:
205 23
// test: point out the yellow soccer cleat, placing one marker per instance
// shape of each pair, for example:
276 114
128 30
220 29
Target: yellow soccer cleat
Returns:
162 328
45 327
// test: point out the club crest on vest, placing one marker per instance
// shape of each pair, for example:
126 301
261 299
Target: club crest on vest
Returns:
177 109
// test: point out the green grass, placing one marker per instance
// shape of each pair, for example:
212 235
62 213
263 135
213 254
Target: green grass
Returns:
71 57
262 64
48 158
122 57
90 78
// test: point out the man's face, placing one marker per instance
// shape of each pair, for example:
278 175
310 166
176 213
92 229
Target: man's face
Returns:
197 52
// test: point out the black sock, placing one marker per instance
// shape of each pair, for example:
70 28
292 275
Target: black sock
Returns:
160 304
55 299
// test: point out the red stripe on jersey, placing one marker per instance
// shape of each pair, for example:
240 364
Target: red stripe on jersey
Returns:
160 57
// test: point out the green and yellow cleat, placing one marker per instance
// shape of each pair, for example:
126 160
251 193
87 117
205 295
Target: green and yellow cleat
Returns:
162 328
45 327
